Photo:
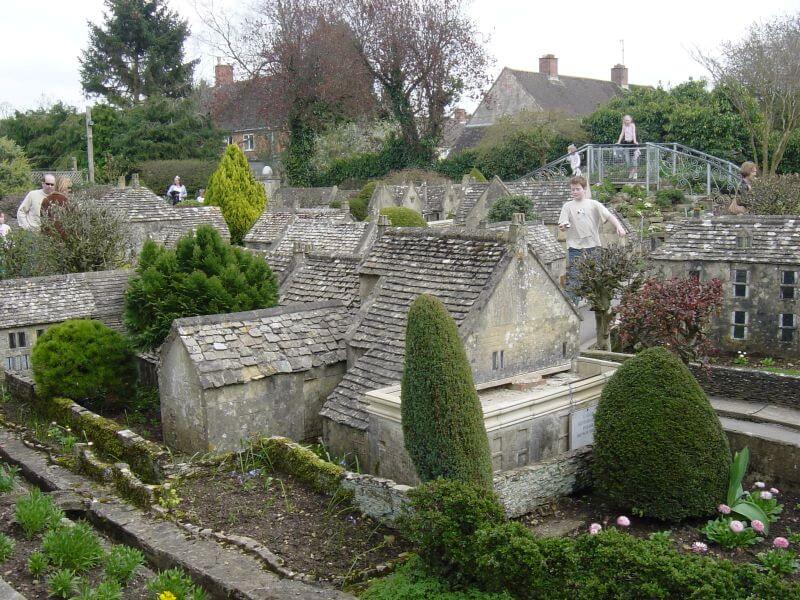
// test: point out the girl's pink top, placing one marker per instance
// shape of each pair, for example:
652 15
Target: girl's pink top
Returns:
629 132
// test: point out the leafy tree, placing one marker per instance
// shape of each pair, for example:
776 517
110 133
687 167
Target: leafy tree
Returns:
15 172
603 276
504 208
137 53
674 313
399 216
83 359
659 448
240 197
440 410
761 75
775 195
203 275
49 136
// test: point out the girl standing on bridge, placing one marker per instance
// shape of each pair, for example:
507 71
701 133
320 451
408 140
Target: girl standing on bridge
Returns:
627 137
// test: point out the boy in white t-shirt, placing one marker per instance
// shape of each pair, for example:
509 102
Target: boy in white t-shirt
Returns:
4 229
580 220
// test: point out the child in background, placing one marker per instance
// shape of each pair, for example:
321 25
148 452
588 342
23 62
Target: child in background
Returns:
574 160
4 229
201 196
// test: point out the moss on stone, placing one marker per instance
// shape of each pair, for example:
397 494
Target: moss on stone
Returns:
285 455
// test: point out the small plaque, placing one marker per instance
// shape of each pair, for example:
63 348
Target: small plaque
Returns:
581 427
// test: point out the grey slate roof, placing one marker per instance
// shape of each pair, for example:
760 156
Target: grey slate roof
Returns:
548 196
272 224
139 204
324 277
454 266
328 236
54 299
540 240
574 96
432 197
240 347
192 217
469 137
771 240
471 193
305 197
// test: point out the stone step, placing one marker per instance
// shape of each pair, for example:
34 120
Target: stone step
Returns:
9 593
758 412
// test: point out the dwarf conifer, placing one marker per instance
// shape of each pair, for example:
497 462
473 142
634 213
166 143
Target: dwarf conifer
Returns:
441 414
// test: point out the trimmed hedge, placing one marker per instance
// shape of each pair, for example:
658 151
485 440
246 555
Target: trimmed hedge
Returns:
360 203
659 447
194 174
504 208
83 359
400 216
441 414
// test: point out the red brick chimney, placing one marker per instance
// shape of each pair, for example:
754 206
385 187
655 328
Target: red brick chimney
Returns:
460 115
619 75
548 65
223 74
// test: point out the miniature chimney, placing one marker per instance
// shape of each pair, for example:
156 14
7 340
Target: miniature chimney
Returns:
516 231
460 115
345 207
298 249
548 65
383 223
482 224
121 182
619 75
135 180
223 74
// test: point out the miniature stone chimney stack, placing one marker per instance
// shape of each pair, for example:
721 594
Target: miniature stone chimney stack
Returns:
121 182
516 230
345 207
383 224
135 180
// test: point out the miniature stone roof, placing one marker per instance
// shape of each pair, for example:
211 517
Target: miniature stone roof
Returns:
329 236
272 224
45 300
454 266
432 197
548 196
543 243
472 192
241 347
324 277
192 217
305 197
740 239
139 204
278 263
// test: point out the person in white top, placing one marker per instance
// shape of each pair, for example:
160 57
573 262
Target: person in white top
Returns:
177 191
4 229
201 196
574 160
580 221
627 137
29 213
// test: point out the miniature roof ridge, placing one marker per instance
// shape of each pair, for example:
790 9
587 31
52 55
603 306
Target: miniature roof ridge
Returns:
459 233
251 315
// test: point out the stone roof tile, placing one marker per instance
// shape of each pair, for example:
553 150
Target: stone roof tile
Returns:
324 277
139 204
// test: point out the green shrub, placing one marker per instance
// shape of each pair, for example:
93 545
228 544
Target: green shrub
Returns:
6 547
441 414
360 203
240 197
76 547
177 582
37 564
121 562
604 191
63 583
83 359
659 448
194 174
504 208
108 590
456 166
445 516
36 512
477 175
203 275
15 172
667 197
775 195
400 216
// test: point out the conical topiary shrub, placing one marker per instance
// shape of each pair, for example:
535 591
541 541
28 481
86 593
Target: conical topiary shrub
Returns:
240 197
441 414
659 448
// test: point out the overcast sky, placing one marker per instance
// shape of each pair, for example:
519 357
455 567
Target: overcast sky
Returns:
41 40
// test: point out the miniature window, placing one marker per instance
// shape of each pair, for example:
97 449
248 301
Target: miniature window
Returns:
787 327
12 340
788 284
248 141
21 341
563 349
694 274
739 325
742 241
497 360
740 281
39 333
229 139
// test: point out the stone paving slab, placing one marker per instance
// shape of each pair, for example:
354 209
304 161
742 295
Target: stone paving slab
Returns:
9 593
224 571
757 412
766 431
781 415
741 407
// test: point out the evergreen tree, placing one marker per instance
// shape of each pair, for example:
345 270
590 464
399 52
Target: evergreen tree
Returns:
137 53
240 197
441 414
202 276
15 172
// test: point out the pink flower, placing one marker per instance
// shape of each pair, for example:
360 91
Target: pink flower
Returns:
780 542
699 547
765 495
595 528
737 526
623 521
757 526
724 509
774 491
760 485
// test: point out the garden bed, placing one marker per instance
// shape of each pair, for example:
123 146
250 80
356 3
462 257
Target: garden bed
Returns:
573 515
317 534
